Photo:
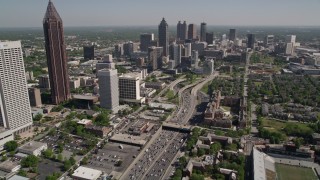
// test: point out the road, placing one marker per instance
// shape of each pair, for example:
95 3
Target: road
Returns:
171 85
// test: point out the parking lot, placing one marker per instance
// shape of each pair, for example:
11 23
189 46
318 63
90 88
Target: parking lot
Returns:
46 167
106 159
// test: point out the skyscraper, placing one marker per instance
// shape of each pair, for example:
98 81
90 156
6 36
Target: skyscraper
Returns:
192 31
109 87
232 34
164 36
209 38
269 40
155 57
203 32
88 52
15 111
145 41
251 39
56 55
182 30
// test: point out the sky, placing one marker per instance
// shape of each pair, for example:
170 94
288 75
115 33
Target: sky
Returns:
29 13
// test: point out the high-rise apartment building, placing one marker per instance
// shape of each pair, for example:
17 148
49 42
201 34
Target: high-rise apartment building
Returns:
203 32
164 36
145 41
155 57
232 34
88 52
251 39
15 111
109 87
56 55
192 31
209 38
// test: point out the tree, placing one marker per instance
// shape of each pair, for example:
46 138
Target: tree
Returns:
215 147
72 160
60 157
84 161
30 161
183 161
48 153
201 152
102 119
67 165
10 146
37 117
195 176
22 173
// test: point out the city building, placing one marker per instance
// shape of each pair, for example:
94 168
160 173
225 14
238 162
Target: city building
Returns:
164 36
10 166
33 148
129 88
5 136
251 39
109 88
203 32
129 48
118 50
175 53
145 41
74 82
188 49
44 81
56 55
290 45
84 173
88 52
263 165
269 41
35 97
208 67
101 131
182 31
13 89
192 31
209 38
155 57
105 63
232 34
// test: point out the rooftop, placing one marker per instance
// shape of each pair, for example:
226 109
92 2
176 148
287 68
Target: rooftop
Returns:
32 146
86 173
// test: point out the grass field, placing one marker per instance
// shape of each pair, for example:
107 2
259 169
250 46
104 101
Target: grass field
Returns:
286 172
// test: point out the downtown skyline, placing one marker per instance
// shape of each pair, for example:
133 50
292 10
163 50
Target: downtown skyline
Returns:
103 13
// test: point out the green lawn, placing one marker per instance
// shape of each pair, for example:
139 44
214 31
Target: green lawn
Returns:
286 172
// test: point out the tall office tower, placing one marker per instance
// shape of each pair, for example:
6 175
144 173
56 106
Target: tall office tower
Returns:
145 41
109 87
105 63
155 57
269 40
184 31
44 81
203 32
35 97
232 34
88 52
56 55
129 88
164 36
118 50
291 38
179 25
251 39
177 54
208 67
209 38
194 58
188 49
129 48
192 31
15 111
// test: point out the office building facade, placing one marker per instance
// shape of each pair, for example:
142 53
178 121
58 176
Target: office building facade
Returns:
163 35
35 97
155 55
56 55
232 34
15 110
129 88
182 31
203 32
88 52
192 31
109 89
145 41
251 39
209 38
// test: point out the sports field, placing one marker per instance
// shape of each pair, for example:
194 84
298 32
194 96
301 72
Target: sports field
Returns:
286 172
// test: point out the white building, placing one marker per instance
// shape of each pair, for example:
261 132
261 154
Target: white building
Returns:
5 136
109 88
15 110
84 173
129 88
208 67
33 148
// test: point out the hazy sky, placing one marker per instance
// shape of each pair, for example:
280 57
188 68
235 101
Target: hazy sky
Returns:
29 13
